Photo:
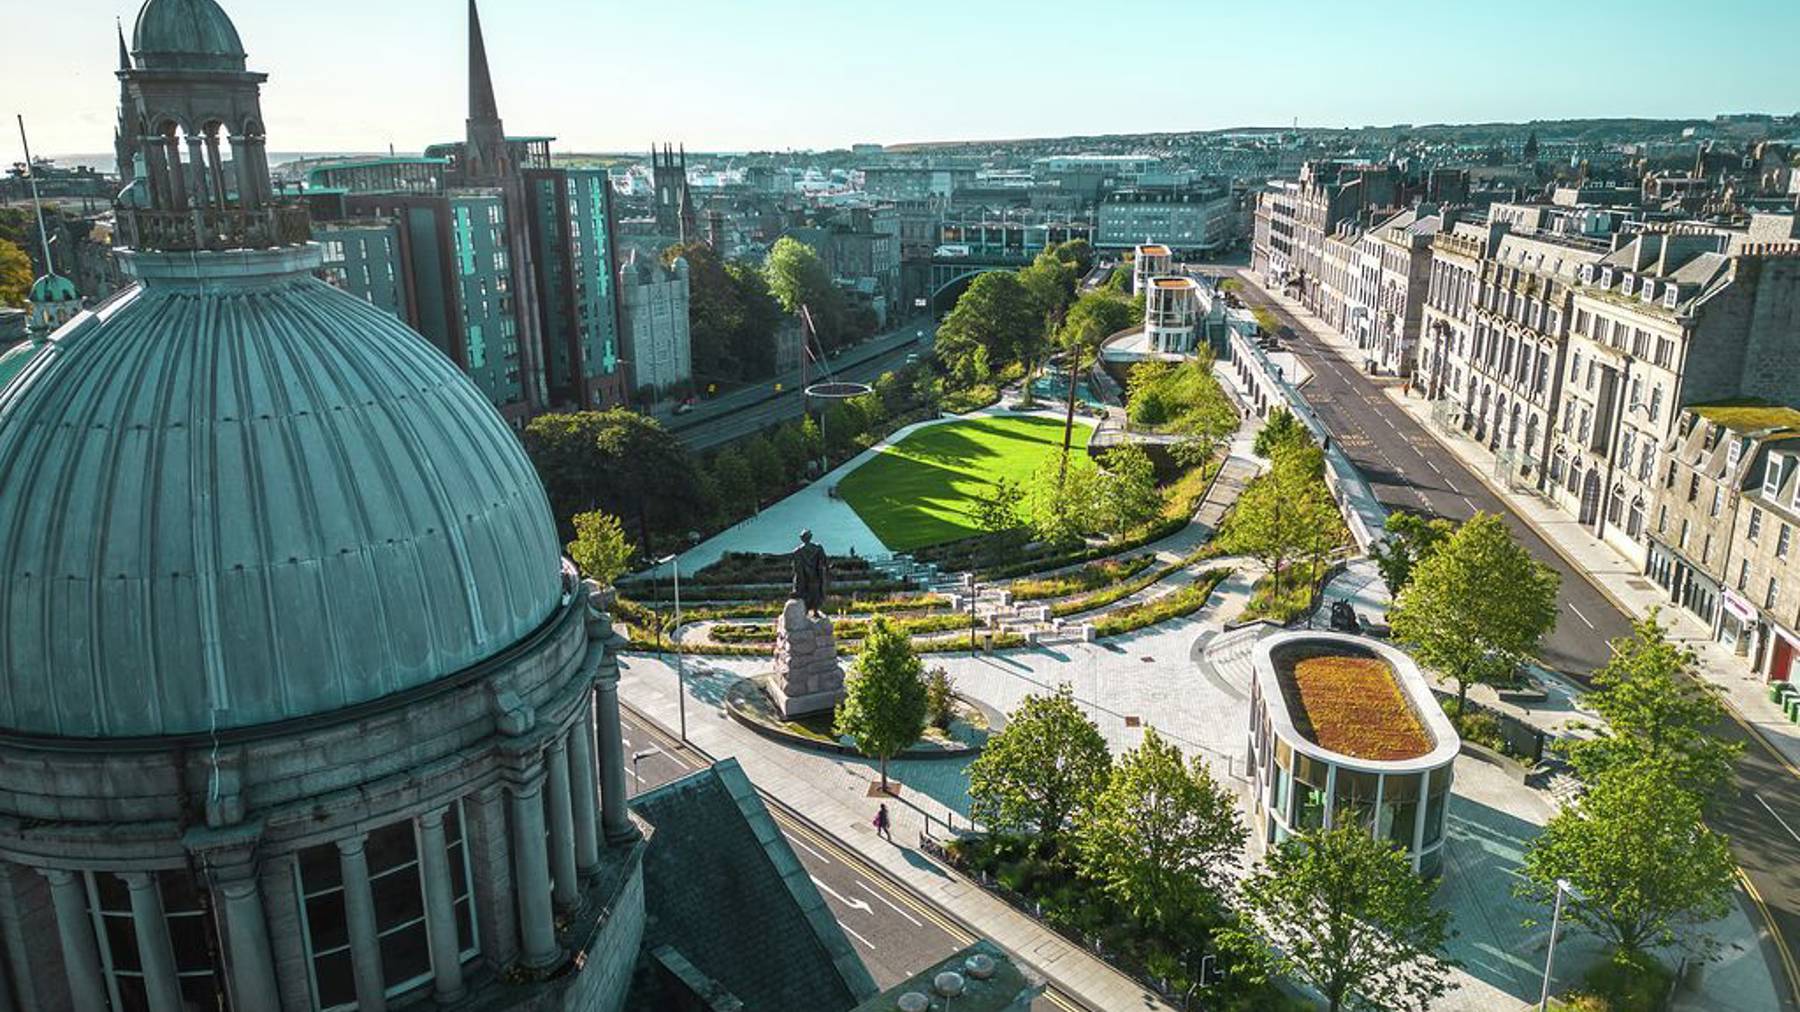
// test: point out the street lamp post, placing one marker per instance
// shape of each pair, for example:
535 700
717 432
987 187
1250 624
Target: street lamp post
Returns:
637 757
1562 886
675 638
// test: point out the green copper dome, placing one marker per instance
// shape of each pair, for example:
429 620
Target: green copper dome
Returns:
186 35
236 495
52 288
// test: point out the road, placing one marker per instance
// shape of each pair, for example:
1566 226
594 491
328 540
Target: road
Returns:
896 933
752 409
1411 471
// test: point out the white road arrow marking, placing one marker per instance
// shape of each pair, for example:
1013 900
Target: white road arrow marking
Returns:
889 903
854 904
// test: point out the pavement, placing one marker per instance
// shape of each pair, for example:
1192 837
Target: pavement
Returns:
1414 464
827 814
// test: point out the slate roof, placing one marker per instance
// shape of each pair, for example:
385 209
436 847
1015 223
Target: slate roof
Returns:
722 886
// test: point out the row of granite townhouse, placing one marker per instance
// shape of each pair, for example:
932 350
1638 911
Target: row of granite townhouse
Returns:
1588 347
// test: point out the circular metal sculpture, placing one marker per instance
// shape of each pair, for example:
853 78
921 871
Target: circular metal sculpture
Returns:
836 391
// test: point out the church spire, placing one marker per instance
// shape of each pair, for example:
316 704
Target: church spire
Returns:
482 106
124 51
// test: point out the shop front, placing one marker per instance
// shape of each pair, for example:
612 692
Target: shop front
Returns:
1738 622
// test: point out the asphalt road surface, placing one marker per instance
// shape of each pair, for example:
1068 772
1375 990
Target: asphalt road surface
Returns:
1411 471
896 933
743 412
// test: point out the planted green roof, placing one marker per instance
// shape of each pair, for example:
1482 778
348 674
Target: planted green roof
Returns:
1749 415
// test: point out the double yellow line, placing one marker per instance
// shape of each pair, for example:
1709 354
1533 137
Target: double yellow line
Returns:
830 845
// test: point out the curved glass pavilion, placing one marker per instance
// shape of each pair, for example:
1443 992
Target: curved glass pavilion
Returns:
1343 727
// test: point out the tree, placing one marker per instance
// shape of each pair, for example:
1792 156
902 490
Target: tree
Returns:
1476 609
1049 283
1128 489
1411 539
789 444
1656 712
766 468
735 485
811 439
1161 836
1075 251
618 461
1283 514
1280 429
996 510
884 707
1040 769
995 315
600 548
1646 869
797 277
732 318
1063 506
1345 912
15 274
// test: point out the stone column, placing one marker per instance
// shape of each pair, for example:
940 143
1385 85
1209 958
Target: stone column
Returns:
359 915
178 185
584 785
215 168
567 889
197 174
440 907
537 924
613 820
156 955
250 964
74 929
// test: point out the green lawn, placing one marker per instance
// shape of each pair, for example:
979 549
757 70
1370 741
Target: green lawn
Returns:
918 491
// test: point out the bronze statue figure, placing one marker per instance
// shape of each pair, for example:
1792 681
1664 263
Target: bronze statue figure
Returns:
811 574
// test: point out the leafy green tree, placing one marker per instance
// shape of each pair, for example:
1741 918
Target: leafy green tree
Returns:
1075 251
811 439
995 316
1411 539
1046 764
884 707
844 424
766 468
735 485
1049 283
1162 836
1281 515
619 461
731 316
1647 870
600 548
15 274
1280 429
1063 506
1128 489
1478 607
996 510
796 276
1656 712
1344 911
790 445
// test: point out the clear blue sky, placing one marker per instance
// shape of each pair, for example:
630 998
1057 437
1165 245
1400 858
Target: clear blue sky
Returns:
731 74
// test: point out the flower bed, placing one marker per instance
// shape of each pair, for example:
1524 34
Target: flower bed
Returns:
1351 705
1089 577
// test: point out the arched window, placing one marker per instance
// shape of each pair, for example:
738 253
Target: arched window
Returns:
1615 505
1558 461
1634 521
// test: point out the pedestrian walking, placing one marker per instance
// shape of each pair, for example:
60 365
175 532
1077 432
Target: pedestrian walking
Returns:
882 822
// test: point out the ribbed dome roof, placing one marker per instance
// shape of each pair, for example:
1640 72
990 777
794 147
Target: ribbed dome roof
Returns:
186 35
252 498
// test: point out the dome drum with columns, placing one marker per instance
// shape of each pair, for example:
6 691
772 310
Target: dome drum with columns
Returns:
300 706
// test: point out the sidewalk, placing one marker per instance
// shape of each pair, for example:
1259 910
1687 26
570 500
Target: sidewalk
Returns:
1620 581
834 794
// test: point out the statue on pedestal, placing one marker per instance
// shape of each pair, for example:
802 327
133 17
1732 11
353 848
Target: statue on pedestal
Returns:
811 574
807 676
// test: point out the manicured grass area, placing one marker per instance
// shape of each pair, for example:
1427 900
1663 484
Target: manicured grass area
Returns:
920 491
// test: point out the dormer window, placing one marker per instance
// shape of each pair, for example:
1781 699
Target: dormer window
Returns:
1606 277
1671 296
1627 283
1647 291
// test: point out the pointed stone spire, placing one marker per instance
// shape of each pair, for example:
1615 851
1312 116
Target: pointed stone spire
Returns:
482 106
124 51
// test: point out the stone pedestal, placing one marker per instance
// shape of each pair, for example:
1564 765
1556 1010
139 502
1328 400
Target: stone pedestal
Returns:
807 676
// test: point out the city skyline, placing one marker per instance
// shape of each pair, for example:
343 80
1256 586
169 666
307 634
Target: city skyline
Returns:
728 94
